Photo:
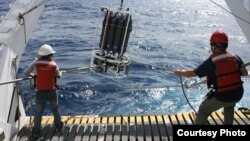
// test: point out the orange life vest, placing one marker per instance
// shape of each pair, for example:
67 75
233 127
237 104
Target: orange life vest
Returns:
227 72
46 74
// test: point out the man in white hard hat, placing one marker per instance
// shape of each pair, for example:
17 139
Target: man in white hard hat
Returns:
46 71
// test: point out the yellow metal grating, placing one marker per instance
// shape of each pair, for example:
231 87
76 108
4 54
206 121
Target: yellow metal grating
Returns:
130 127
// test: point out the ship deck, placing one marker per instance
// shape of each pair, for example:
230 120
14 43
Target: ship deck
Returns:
121 128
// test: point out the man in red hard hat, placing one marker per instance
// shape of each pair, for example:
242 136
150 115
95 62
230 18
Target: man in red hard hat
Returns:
223 71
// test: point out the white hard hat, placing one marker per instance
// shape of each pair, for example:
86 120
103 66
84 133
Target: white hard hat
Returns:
45 50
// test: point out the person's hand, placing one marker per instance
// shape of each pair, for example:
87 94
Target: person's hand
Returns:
31 74
60 73
178 72
243 70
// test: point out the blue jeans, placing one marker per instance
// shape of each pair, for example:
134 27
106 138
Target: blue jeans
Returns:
41 98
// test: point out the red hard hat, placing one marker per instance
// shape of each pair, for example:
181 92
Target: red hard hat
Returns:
219 37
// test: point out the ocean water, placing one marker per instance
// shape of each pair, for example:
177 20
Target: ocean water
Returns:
166 35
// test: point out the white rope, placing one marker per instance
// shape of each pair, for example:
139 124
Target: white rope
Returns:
248 22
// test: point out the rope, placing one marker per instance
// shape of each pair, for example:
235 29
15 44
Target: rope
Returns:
230 12
21 18
183 90
33 8
195 84
78 69
121 4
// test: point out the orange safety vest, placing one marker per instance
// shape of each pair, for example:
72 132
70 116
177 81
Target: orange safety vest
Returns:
227 72
46 74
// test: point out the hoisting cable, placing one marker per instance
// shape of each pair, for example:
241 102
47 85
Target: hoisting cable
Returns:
121 4
126 33
21 18
36 6
248 22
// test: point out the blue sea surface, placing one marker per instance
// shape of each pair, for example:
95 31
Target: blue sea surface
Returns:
166 35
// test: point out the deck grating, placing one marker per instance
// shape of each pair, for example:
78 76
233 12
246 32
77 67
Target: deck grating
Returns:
121 128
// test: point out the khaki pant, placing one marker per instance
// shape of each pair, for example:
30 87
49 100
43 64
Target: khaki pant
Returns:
210 105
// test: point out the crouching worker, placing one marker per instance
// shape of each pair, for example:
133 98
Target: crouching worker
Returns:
223 70
46 71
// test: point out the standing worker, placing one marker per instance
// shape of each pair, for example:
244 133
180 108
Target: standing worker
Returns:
46 72
223 71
